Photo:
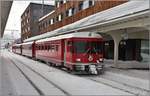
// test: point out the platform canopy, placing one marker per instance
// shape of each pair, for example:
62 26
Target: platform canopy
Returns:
127 10
5 7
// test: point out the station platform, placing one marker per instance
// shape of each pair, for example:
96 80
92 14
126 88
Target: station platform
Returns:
128 64
23 76
138 78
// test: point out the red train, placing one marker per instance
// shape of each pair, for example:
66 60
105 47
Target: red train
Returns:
82 51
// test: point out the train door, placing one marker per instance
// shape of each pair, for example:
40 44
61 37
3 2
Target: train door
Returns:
33 50
65 52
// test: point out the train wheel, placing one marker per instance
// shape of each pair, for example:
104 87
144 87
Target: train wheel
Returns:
69 70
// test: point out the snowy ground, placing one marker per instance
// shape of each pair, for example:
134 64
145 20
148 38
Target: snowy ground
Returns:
23 76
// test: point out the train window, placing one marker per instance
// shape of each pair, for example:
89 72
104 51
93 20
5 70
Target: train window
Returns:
88 47
46 47
43 47
56 47
69 43
91 3
40 47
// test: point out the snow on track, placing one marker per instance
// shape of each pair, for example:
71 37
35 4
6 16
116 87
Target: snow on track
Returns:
74 85
19 83
41 84
118 85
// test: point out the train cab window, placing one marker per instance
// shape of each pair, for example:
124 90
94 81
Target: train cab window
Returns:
88 47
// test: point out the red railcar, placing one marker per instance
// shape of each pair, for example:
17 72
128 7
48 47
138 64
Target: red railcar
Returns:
28 49
17 48
77 51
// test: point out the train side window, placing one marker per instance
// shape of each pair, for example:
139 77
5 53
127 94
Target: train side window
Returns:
46 47
56 47
69 43
42 47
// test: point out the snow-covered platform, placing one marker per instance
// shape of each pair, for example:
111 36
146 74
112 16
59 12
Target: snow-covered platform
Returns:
137 78
128 64
29 77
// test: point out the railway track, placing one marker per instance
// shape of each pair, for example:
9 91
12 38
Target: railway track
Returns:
36 86
123 87
118 85
129 89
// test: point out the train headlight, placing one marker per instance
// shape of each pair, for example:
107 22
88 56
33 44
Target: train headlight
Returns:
100 59
78 59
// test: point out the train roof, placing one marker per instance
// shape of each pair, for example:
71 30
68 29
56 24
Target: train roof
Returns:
73 35
16 44
27 43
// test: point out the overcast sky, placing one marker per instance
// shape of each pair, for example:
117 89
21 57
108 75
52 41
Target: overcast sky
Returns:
14 19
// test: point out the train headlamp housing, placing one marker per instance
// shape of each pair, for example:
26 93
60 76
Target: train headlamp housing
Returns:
100 59
78 59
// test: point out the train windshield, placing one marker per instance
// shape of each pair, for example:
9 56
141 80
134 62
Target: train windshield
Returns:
88 47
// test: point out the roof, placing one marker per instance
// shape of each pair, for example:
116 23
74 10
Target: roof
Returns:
27 43
73 35
46 15
125 9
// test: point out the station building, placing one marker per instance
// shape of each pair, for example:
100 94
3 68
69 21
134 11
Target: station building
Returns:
29 19
122 23
70 11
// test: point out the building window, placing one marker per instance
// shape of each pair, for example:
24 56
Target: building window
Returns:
28 28
45 24
81 5
52 21
25 14
27 20
88 3
64 1
57 18
61 2
91 3
85 4
57 4
60 17
70 12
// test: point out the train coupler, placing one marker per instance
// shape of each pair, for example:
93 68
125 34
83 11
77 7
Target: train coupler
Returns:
92 69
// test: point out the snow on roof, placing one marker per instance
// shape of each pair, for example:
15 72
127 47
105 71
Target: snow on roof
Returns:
27 43
128 8
46 15
16 44
77 34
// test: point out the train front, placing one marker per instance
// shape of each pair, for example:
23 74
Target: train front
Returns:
87 55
